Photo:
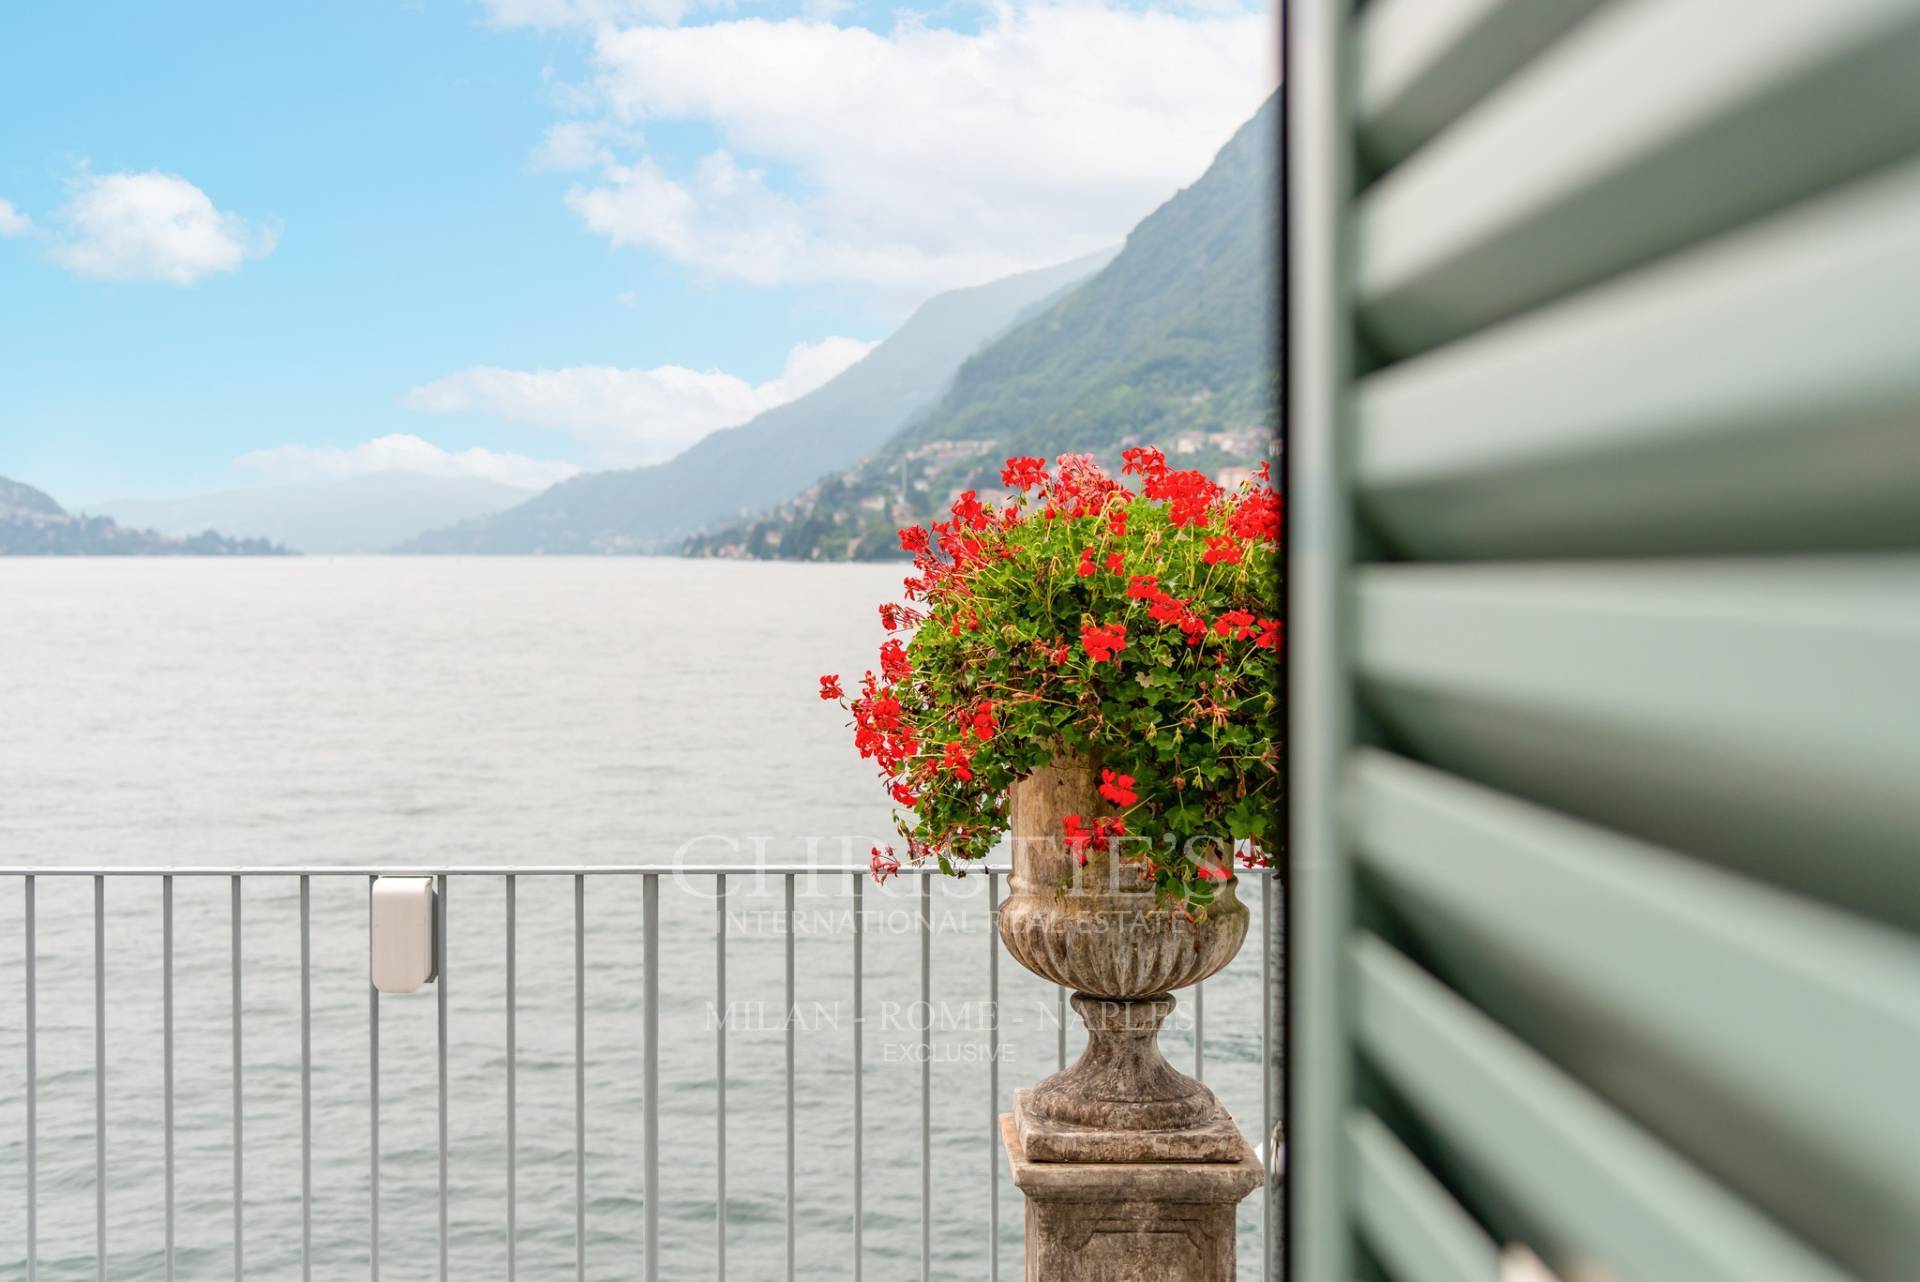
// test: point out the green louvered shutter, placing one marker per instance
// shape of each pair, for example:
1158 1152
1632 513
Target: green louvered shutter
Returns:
1604 472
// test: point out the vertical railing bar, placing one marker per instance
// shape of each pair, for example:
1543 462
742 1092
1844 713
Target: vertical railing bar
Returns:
239 1116
1060 1024
1199 1032
859 1065
580 1077
993 1077
33 1092
513 1058
306 1080
791 1010
650 1115
926 1078
720 1074
440 983
166 1055
100 1078
373 1109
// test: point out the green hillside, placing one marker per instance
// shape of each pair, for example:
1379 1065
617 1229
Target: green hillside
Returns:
1172 343
32 524
743 469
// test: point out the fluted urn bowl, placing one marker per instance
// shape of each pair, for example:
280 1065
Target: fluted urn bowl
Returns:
1099 930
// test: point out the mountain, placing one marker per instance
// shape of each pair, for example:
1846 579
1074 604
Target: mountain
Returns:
359 514
742 469
1172 343
26 501
32 524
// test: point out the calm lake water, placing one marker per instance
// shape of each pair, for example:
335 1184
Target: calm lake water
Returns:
496 711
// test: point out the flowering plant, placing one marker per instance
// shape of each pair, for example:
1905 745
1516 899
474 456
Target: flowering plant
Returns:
1135 628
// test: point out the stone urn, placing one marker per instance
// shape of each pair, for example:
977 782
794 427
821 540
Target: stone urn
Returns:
1098 930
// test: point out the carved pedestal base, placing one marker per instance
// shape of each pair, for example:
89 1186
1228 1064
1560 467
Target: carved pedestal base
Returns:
1130 1221
1121 1101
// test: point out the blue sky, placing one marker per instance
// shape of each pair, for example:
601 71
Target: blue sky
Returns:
245 244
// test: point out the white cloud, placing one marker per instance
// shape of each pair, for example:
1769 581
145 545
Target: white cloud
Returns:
632 416
918 158
12 221
580 144
153 226
811 365
296 464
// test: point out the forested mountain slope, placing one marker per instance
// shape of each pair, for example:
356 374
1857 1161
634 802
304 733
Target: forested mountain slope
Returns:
1171 343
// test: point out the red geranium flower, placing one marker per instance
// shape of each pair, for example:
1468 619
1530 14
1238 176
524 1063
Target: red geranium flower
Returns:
1103 641
1235 623
1223 550
996 661
1144 460
883 866
1078 838
893 661
1081 488
968 512
1189 495
1257 517
1023 473
1166 608
959 761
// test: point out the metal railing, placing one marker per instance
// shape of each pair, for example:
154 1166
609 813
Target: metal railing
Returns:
855 878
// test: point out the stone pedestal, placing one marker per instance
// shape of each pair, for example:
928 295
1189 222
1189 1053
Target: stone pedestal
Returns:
1130 1221
1132 1170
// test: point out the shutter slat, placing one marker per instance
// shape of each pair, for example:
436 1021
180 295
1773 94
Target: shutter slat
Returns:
1653 125
1672 986
1423 64
1604 1189
1759 712
1793 421
1409 1219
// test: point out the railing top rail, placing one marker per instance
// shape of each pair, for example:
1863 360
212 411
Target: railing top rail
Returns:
482 870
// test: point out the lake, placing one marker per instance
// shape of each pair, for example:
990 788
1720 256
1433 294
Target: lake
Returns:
489 711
